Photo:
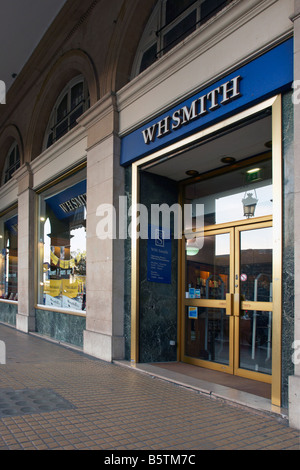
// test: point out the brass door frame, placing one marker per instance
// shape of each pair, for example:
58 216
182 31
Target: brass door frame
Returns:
275 104
240 305
210 303
232 303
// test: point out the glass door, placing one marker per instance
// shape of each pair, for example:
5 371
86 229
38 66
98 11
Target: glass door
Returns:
253 305
228 300
209 281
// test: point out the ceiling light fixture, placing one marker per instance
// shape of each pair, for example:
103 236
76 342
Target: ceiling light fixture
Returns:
192 172
228 160
253 170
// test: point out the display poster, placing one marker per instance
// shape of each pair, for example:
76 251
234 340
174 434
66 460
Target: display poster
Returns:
52 288
193 313
52 301
70 289
71 303
159 255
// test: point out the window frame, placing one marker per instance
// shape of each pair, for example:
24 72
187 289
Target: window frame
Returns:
157 29
53 123
50 192
5 257
10 169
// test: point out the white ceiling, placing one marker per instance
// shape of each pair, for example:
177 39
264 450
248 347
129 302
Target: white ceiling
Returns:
240 144
22 25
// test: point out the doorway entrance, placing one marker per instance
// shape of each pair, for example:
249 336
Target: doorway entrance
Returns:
227 274
228 301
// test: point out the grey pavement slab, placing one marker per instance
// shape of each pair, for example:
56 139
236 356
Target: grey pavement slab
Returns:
94 405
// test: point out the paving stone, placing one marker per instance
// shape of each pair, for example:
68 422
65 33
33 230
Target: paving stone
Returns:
55 398
30 401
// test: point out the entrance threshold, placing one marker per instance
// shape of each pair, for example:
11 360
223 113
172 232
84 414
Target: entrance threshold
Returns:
254 397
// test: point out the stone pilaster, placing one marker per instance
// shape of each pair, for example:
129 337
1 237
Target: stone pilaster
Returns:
104 336
25 320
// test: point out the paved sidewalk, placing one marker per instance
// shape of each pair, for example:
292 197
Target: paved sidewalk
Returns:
52 397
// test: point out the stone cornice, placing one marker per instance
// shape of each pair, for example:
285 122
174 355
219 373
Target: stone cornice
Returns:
7 188
58 148
295 16
99 111
24 170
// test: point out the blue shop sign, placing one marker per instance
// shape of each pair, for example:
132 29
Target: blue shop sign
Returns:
67 202
267 75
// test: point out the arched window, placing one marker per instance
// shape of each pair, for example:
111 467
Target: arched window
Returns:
12 162
71 103
170 23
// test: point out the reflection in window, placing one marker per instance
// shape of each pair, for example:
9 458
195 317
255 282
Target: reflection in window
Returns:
170 23
255 341
207 271
257 264
226 204
9 258
71 104
63 248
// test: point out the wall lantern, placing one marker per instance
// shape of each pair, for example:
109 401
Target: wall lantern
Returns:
249 204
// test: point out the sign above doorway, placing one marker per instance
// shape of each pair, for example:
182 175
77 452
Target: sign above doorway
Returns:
267 75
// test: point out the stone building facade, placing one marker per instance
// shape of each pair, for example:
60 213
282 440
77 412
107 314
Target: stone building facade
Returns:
158 102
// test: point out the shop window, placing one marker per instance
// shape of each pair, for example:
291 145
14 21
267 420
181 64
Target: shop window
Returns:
12 163
170 23
72 103
62 239
9 257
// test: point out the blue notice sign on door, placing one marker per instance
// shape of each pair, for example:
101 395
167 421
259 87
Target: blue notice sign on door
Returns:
159 255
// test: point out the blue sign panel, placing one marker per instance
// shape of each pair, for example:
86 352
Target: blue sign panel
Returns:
65 203
12 225
260 79
159 255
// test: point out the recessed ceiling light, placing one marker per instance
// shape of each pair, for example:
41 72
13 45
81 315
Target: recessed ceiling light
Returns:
228 160
192 172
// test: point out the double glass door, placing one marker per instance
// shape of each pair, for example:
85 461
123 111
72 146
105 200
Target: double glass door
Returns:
227 303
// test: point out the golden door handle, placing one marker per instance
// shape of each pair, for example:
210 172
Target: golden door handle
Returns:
229 304
236 305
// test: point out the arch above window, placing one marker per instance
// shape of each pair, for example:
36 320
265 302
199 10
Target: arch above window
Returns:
170 23
12 162
72 102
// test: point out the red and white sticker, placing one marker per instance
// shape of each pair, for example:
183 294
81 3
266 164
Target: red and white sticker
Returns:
244 277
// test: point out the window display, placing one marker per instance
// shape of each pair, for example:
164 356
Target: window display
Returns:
9 257
63 248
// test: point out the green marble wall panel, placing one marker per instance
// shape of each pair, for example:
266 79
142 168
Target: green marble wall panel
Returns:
288 244
157 301
127 275
8 313
60 326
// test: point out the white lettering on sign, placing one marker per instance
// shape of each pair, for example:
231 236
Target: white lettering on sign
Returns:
74 203
201 106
